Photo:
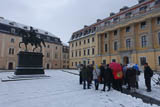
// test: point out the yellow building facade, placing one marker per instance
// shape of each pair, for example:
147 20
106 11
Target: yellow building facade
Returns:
130 36
54 51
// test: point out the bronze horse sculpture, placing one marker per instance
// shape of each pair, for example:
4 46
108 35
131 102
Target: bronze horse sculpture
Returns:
30 37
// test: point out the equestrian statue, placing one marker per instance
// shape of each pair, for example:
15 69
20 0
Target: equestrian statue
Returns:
31 37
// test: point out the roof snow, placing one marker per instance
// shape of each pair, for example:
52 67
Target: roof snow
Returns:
22 26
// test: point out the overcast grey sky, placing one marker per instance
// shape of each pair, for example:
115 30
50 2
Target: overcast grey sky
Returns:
60 17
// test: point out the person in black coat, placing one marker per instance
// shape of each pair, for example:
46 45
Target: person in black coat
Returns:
85 77
80 74
102 70
108 77
131 78
148 73
89 75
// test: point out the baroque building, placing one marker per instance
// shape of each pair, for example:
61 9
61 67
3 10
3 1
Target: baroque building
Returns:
130 36
9 46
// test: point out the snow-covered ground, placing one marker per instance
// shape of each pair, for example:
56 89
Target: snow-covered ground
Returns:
142 88
61 90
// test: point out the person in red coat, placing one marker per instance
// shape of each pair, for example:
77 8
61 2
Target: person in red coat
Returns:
117 74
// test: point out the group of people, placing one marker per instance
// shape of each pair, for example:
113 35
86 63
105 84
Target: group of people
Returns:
114 75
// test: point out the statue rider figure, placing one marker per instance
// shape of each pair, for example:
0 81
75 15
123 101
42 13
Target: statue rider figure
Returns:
32 34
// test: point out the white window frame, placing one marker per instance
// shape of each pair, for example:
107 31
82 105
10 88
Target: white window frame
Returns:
117 45
130 43
142 42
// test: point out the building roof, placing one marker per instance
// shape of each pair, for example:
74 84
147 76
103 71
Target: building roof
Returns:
115 15
22 26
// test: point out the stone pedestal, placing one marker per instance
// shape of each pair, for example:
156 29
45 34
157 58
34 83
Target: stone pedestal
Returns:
29 63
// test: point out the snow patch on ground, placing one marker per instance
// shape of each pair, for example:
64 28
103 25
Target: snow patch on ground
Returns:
142 88
61 90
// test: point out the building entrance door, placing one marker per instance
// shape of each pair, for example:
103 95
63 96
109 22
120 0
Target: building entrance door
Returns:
125 60
10 66
47 66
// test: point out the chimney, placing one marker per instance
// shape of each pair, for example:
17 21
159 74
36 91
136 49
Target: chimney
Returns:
98 20
112 13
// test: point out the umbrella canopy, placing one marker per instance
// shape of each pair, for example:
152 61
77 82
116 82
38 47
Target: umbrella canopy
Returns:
117 70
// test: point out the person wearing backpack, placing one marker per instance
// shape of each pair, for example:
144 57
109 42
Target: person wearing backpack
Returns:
148 73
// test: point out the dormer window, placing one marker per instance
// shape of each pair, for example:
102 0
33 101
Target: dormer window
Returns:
11 23
128 14
46 33
81 34
25 27
85 32
93 29
13 30
157 2
56 40
115 19
143 8
48 38
73 37
107 23
90 30
141 1
77 35
36 30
